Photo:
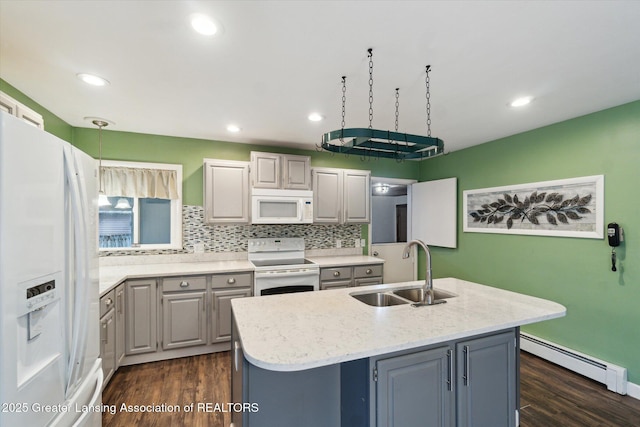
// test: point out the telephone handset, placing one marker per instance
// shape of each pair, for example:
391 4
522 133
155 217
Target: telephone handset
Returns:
615 234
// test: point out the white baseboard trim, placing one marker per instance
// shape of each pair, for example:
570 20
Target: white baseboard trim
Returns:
613 376
633 390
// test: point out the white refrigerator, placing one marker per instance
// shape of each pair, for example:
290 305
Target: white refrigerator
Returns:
50 366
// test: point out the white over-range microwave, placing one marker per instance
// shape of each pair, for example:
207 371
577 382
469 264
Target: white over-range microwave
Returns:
274 206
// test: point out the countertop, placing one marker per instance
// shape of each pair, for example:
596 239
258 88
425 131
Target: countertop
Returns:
112 275
337 261
299 331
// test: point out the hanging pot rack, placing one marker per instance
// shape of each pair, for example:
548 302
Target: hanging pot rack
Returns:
369 142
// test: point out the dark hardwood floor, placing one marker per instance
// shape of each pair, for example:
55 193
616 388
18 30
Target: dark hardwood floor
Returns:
550 396
553 396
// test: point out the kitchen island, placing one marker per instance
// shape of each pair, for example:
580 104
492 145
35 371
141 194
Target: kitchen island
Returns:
327 358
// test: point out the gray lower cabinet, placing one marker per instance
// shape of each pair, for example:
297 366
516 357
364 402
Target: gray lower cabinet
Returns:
415 389
487 380
221 330
463 383
120 325
141 316
184 311
108 334
347 276
224 288
184 320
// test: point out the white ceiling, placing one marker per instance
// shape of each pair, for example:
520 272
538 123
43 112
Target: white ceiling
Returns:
278 61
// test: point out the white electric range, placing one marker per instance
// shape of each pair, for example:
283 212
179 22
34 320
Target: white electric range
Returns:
280 266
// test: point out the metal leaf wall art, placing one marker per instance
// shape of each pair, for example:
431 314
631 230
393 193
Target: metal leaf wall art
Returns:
571 207
552 205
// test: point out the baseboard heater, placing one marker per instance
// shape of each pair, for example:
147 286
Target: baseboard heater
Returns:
613 376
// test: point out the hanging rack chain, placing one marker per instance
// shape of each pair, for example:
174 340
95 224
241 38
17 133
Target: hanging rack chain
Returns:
344 101
397 106
428 102
370 88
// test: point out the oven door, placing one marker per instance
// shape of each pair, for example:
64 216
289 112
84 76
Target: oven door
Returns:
273 282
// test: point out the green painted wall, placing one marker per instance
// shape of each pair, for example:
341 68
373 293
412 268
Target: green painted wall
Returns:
603 317
52 123
190 152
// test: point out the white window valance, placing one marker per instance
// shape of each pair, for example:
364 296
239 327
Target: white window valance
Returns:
140 182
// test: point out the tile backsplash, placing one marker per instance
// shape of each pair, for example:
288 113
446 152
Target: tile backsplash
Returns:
233 238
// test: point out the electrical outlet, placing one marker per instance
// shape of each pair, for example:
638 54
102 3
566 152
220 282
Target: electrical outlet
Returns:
338 243
356 243
198 248
363 243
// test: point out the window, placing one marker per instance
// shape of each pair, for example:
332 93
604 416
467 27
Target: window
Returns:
140 206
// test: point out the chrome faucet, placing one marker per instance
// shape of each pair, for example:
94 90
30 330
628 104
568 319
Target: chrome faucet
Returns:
427 298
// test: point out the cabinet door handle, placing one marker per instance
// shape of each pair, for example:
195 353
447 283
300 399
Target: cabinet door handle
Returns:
466 374
369 271
236 347
231 281
450 368
184 284
336 273
108 302
120 303
375 253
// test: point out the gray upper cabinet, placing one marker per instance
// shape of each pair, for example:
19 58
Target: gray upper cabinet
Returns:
284 171
357 196
296 172
327 195
341 196
226 192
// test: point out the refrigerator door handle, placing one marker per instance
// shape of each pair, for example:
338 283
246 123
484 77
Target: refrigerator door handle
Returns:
96 399
81 285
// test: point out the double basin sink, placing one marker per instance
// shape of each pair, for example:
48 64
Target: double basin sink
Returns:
414 295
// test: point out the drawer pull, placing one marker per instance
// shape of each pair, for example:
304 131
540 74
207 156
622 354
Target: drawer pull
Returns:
108 302
231 281
184 284
369 271
336 273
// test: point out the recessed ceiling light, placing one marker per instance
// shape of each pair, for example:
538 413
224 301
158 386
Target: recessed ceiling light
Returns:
92 79
315 117
521 102
204 25
233 128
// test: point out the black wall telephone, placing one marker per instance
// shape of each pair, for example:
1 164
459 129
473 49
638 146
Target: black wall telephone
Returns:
613 232
615 236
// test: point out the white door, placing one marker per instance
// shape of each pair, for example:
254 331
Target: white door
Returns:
434 212
396 269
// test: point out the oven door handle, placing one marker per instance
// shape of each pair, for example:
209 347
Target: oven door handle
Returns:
288 273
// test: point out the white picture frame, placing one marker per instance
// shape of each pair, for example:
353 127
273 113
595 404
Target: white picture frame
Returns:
572 207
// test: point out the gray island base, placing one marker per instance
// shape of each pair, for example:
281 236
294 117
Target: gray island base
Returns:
327 359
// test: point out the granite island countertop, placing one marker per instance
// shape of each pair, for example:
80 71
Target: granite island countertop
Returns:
294 332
